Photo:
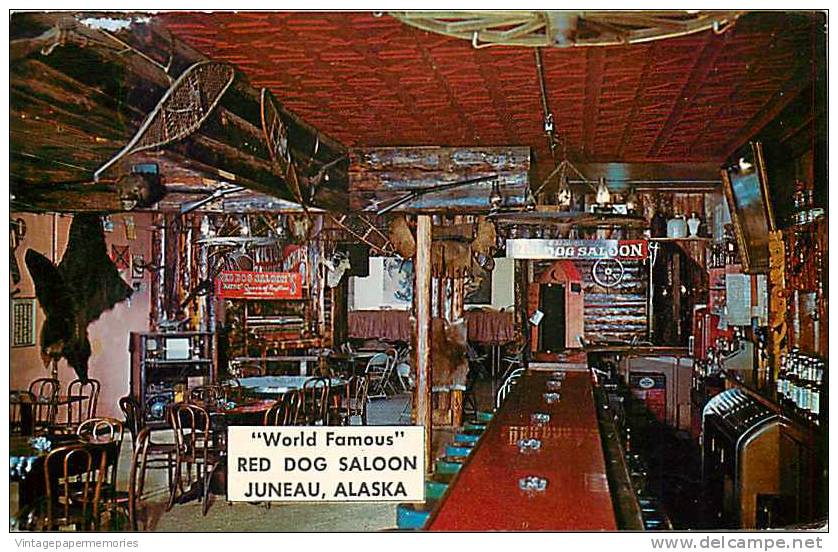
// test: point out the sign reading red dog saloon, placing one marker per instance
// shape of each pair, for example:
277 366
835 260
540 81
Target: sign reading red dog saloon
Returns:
241 284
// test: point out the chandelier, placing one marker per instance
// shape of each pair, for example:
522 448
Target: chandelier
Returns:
564 29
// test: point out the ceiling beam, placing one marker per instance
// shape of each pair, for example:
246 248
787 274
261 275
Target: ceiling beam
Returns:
794 85
639 92
696 80
593 87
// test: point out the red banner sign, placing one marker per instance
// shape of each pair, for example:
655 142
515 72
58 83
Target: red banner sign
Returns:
241 284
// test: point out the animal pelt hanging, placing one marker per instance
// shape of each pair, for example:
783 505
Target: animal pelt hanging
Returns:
450 259
449 352
485 241
76 292
402 237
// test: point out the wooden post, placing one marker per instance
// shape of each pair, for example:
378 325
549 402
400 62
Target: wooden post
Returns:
422 347
457 313
777 304
522 303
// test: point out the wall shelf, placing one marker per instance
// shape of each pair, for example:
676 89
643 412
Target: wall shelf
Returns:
697 239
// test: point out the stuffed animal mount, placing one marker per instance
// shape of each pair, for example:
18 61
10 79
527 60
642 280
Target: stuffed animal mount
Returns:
336 267
449 352
459 250
75 293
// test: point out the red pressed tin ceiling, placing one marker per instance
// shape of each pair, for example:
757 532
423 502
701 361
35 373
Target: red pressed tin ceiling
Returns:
373 81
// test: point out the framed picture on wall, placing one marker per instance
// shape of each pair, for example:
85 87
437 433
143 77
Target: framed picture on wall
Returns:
398 281
746 189
23 321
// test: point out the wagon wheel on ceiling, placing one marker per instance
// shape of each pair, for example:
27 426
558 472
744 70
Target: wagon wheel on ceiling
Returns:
185 106
563 29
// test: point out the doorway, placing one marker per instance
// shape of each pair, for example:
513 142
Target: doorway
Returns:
552 327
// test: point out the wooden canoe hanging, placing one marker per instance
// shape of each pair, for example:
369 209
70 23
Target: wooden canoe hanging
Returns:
276 136
182 110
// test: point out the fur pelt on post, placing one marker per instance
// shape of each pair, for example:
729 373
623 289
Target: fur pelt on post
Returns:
449 352
485 240
402 237
75 293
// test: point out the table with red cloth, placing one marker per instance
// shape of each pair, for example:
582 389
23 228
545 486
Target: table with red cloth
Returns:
485 495
484 326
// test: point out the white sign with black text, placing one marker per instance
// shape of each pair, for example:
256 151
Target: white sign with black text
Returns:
325 464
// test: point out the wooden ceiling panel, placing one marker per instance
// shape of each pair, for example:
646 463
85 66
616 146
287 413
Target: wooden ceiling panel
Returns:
372 81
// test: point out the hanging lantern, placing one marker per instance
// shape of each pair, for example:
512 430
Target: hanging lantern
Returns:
632 201
603 194
564 197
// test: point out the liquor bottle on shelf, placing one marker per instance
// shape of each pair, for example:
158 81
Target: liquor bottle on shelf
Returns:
731 255
782 377
817 385
804 390
800 384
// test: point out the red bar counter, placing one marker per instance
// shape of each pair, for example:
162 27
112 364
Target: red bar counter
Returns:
485 495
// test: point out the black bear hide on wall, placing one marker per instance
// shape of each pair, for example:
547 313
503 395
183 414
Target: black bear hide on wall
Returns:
76 292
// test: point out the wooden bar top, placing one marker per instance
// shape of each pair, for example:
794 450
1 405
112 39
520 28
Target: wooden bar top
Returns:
485 495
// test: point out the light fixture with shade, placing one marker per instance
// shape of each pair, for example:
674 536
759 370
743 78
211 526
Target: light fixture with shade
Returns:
530 205
565 196
632 200
603 194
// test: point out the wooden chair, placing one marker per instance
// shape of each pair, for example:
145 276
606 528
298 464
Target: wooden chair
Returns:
245 369
354 403
158 455
84 409
101 430
74 476
141 461
16 418
286 411
104 431
339 402
508 384
194 446
315 400
45 391
108 433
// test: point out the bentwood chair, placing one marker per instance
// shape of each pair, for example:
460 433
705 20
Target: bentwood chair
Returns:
17 399
101 430
285 411
355 402
108 434
404 371
84 408
74 476
195 448
507 385
315 400
140 462
245 370
157 455
45 391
